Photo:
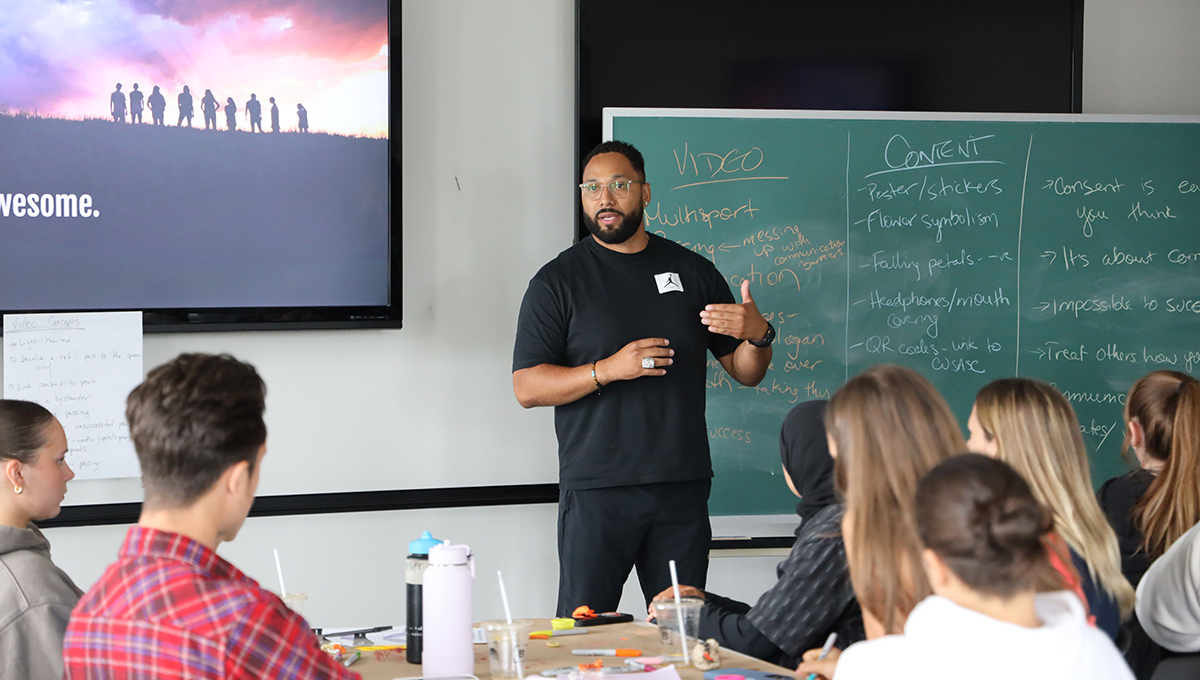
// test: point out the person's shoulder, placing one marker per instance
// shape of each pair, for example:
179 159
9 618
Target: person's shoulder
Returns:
565 263
263 618
885 657
825 525
1097 658
38 578
1132 484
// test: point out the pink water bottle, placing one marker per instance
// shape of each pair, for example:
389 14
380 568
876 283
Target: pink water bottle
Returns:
448 645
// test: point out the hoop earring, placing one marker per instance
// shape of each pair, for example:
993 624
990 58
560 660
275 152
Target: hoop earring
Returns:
18 489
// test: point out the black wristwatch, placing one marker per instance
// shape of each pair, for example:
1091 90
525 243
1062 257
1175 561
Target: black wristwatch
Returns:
767 338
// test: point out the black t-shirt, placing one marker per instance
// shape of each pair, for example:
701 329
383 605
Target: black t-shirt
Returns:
588 303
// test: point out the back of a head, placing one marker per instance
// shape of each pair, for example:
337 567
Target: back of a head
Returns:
1037 433
890 427
190 420
1166 405
1156 401
981 518
804 451
22 429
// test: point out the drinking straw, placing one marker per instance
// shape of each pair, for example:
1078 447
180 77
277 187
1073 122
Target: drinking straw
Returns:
504 598
279 570
679 612
508 618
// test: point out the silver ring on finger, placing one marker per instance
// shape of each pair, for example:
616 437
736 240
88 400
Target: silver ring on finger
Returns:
647 362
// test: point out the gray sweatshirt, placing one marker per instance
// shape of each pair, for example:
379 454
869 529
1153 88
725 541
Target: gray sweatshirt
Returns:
36 599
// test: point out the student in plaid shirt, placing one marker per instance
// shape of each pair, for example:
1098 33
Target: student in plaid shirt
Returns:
170 607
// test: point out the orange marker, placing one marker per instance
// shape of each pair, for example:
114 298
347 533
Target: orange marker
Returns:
606 652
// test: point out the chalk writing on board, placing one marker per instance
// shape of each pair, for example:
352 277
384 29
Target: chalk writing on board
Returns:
80 367
967 248
734 165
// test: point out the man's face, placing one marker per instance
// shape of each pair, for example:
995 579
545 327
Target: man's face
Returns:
612 219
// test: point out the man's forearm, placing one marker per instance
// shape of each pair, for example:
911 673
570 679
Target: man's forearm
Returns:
551 385
748 364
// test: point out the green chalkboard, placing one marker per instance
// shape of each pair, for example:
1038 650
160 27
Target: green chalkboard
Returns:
968 247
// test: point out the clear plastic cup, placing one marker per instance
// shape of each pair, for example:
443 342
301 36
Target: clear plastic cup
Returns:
669 615
295 601
506 646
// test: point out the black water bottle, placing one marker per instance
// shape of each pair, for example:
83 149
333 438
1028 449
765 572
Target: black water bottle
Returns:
414 570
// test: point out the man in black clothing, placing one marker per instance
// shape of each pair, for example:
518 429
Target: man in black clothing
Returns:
614 333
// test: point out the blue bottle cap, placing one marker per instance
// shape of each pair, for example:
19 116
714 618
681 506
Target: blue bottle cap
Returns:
422 545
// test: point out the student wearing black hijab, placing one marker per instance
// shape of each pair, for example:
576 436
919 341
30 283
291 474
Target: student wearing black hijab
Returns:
813 596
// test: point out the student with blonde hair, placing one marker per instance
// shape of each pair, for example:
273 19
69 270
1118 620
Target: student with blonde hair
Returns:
1031 426
887 427
1151 507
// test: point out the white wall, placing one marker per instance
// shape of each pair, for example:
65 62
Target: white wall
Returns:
1140 56
487 99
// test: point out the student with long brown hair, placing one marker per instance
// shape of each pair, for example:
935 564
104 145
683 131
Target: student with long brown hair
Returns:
983 548
1151 507
887 427
1031 426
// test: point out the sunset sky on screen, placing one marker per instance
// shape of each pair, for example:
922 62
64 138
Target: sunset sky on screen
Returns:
63 58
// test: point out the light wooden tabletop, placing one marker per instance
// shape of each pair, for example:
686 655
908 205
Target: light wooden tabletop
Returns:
540 656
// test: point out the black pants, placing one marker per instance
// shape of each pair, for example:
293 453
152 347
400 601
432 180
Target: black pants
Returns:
603 533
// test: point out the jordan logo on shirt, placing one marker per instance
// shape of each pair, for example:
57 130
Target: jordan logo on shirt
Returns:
668 282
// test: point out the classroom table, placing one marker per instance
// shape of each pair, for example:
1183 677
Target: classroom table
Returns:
540 657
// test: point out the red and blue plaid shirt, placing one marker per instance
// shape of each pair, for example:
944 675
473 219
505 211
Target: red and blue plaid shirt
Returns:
170 608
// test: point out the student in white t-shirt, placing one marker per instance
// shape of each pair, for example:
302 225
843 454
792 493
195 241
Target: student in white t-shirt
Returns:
983 552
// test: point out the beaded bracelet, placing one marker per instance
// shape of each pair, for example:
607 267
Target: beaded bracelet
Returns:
594 378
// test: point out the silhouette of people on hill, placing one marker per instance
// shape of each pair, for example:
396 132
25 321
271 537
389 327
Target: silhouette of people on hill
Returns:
158 106
135 105
254 110
185 107
274 116
209 107
230 114
302 115
116 104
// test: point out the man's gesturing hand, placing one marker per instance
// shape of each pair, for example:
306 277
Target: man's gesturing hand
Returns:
627 364
741 321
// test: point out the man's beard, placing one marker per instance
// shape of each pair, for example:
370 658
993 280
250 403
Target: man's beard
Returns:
625 229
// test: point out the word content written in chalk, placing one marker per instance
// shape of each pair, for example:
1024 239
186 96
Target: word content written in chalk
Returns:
80 367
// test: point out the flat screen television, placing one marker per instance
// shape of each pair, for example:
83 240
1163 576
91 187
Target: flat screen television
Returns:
217 165
866 55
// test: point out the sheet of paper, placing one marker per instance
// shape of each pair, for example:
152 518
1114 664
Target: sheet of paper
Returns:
667 672
81 367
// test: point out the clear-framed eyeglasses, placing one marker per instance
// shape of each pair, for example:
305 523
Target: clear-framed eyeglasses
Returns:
619 188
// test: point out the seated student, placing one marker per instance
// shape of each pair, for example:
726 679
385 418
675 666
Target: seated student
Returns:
982 535
1151 507
1031 426
1168 597
170 607
887 427
813 597
36 597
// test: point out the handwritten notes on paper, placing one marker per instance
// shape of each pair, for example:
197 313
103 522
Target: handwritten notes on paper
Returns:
80 367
